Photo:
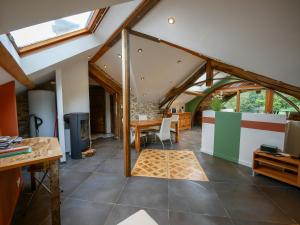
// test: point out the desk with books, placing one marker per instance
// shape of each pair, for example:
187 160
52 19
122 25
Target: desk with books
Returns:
43 150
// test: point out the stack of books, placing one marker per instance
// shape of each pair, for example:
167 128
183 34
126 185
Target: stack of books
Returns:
8 147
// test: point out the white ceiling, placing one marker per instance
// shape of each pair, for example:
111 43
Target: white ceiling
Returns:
260 36
5 77
157 64
16 14
182 99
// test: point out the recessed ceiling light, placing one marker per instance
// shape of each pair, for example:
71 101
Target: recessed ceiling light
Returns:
142 78
120 56
171 20
89 57
140 50
105 66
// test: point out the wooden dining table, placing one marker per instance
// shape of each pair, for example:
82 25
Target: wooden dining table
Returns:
140 125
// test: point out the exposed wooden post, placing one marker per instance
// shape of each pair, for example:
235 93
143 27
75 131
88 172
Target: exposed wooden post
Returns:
126 102
238 101
209 74
55 192
269 101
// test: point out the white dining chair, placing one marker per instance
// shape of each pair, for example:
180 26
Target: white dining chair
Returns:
165 131
132 136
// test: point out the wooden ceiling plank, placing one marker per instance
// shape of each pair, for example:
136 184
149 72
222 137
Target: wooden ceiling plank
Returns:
9 64
143 8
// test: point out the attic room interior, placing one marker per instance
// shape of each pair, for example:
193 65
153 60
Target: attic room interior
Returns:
153 112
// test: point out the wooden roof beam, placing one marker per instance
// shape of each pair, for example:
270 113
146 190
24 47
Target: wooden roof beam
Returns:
144 7
184 86
194 93
242 88
233 70
9 64
104 79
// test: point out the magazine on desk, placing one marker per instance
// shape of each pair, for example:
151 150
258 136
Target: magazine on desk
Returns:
9 148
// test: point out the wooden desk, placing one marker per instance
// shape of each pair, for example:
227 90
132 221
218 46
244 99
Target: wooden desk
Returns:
142 124
43 150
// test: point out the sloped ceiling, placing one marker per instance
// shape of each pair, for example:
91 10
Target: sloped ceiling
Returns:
5 77
259 36
157 63
15 14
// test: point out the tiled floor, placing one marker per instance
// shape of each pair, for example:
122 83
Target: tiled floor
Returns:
96 193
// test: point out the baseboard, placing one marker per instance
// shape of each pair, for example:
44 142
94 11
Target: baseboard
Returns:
245 163
206 151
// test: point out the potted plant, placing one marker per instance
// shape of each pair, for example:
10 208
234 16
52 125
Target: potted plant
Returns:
216 103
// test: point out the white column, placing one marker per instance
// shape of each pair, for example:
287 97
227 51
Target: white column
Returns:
60 113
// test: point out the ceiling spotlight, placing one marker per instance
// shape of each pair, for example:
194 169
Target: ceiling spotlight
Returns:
120 56
105 66
171 20
89 57
179 61
140 50
142 78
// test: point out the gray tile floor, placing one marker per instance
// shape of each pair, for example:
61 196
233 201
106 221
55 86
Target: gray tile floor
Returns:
96 193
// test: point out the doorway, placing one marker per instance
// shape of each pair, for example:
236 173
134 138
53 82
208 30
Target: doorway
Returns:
100 113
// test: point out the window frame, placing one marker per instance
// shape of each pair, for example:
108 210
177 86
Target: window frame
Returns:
91 27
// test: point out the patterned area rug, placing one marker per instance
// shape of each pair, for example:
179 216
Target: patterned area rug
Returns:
169 164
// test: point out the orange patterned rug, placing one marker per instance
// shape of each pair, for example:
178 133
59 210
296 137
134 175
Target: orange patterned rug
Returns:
169 164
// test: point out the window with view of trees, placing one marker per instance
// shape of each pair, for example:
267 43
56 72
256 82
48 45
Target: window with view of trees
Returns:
254 101
280 106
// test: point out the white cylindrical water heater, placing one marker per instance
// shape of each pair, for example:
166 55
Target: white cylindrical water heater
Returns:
42 113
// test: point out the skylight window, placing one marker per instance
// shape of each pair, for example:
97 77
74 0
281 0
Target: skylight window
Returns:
37 36
44 31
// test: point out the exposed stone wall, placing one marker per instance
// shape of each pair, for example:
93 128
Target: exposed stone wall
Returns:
23 114
143 108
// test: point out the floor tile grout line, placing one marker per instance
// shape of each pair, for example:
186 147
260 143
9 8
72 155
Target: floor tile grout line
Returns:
275 203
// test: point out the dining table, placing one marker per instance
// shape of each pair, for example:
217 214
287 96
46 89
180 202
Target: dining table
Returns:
140 125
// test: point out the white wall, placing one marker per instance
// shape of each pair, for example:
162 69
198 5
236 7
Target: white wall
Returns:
208 134
252 139
75 87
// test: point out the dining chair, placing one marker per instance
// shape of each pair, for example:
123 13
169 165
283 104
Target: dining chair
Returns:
165 131
132 136
174 118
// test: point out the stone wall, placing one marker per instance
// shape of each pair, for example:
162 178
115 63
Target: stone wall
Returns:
23 114
143 108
